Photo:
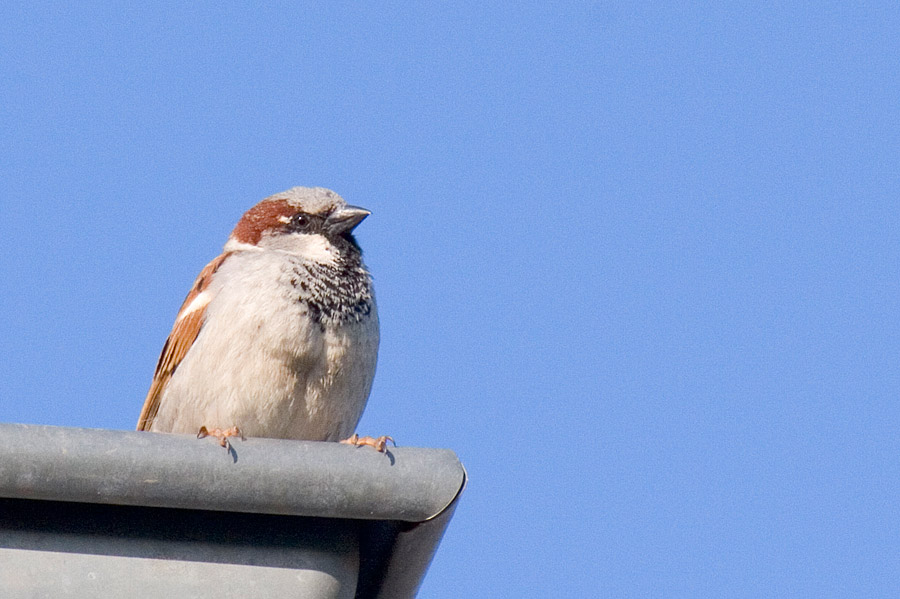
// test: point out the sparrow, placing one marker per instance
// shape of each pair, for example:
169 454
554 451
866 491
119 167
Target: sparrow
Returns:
278 336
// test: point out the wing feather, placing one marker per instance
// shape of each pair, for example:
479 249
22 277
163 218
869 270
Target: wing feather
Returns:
188 323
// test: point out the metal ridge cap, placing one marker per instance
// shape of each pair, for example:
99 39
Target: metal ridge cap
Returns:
404 565
269 476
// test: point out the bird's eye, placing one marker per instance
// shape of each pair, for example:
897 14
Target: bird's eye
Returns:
300 220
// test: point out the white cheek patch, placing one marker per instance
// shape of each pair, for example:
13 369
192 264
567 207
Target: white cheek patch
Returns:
312 247
233 245
198 303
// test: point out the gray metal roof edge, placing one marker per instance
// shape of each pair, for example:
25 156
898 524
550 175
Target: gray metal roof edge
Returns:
269 476
413 550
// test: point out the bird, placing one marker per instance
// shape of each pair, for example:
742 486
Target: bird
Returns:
278 336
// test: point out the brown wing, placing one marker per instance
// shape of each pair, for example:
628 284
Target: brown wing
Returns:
187 327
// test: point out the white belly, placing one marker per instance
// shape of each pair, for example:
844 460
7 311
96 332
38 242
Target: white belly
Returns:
271 372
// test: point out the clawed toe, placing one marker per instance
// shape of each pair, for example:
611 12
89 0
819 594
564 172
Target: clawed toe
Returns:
221 435
380 443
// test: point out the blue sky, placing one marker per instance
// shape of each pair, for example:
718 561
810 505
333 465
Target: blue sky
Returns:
637 264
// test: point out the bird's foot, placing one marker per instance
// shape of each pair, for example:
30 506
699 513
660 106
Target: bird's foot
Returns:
221 435
380 444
